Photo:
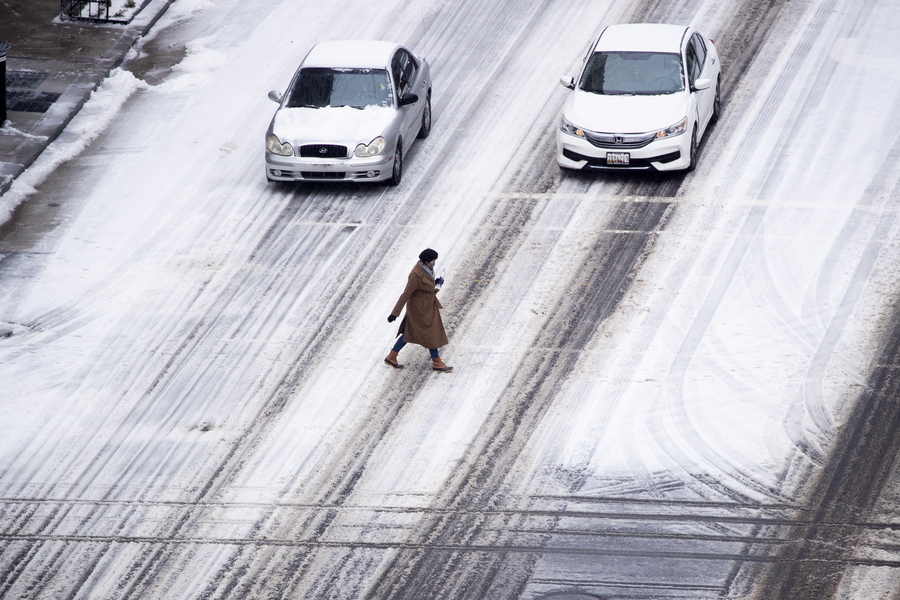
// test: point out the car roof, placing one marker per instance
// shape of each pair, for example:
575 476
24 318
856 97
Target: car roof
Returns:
357 54
641 37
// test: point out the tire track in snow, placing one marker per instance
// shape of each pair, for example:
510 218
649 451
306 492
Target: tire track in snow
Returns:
861 465
691 438
593 548
505 218
411 383
482 480
65 321
432 571
348 473
199 336
505 246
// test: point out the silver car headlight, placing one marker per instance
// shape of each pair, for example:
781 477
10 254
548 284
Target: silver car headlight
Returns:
274 145
374 148
676 129
567 127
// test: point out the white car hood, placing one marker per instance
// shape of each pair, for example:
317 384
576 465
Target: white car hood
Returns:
624 114
342 124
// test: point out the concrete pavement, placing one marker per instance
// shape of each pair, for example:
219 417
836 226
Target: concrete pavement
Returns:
52 67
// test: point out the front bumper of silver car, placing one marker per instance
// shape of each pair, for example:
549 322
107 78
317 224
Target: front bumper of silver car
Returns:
293 168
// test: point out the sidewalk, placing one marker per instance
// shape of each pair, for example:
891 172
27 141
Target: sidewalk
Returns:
51 69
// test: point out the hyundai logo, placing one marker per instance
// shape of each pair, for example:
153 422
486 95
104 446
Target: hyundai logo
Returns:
323 150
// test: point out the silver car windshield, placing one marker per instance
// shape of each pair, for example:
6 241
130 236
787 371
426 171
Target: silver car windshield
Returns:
359 88
633 73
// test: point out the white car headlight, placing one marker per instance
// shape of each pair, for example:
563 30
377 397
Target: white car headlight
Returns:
374 148
274 145
567 127
676 129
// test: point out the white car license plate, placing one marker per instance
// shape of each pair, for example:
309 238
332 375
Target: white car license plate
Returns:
618 158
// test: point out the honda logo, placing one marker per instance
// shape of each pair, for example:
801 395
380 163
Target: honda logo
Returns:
620 139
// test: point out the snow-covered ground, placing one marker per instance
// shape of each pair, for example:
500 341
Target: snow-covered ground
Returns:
194 401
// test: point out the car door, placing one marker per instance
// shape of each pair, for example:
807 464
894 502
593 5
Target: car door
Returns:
405 71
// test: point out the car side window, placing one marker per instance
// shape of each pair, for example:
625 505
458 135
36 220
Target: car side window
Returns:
396 70
693 64
404 69
699 48
412 71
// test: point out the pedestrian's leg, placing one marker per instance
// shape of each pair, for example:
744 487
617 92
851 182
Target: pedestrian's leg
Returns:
436 363
391 358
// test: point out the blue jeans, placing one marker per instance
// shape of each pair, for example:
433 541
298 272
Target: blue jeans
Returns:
398 346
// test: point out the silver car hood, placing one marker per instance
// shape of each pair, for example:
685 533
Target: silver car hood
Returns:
331 125
624 114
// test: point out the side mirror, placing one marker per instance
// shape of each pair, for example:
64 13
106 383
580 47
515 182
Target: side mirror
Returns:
701 84
567 82
408 99
275 96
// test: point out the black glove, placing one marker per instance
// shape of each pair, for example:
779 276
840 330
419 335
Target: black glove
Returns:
439 282
391 318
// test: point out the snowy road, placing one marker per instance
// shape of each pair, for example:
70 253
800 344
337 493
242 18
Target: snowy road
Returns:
664 386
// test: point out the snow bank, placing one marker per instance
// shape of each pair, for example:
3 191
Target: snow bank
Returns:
93 119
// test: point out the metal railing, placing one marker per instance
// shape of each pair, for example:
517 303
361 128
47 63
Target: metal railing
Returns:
100 10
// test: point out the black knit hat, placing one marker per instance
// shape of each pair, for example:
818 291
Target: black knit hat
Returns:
428 255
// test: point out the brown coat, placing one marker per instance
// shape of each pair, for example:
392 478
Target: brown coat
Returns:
422 324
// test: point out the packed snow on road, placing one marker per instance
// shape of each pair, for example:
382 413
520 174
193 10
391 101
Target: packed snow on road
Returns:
650 371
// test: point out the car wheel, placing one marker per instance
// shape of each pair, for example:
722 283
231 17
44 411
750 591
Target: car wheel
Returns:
425 129
693 164
717 104
397 171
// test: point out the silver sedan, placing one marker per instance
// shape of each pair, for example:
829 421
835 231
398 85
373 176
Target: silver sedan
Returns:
350 111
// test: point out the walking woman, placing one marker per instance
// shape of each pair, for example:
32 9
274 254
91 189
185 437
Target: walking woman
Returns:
422 323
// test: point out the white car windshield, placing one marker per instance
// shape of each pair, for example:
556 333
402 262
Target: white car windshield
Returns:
320 87
633 73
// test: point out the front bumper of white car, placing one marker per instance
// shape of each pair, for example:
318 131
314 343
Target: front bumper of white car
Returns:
617 152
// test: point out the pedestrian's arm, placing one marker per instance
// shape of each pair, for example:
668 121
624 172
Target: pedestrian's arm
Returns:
411 285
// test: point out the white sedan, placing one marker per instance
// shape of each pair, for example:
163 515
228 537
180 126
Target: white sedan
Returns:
644 98
350 112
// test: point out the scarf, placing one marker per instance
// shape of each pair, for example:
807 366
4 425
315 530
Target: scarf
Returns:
428 270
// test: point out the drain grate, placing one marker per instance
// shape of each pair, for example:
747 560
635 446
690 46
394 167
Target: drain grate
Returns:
27 80
22 95
28 101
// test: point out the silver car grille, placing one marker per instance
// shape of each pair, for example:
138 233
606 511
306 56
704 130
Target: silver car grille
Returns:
323 151
619 140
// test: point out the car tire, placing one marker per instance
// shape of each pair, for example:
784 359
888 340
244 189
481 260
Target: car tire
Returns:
694 145
717 103
425 129
397 169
